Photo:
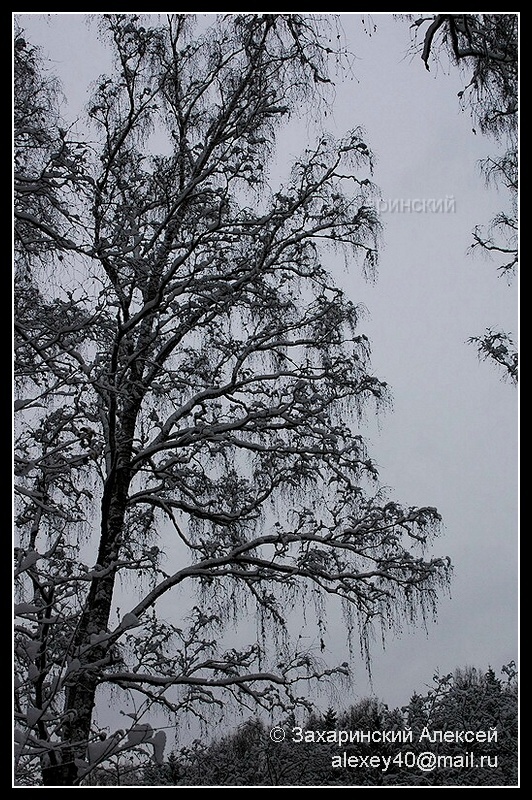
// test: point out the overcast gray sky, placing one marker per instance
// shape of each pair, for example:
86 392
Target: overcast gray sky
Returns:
451 439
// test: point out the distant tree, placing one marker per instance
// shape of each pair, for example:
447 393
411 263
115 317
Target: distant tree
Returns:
463 703
330 720
239 758
485 48
472 700
190 385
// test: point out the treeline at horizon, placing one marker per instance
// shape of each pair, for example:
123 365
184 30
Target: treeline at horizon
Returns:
462 731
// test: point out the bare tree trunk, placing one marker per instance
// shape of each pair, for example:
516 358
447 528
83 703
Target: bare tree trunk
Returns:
80 694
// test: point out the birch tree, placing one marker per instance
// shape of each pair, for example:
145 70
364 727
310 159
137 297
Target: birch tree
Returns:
191 386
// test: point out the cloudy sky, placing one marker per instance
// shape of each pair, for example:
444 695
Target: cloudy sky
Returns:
451 439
